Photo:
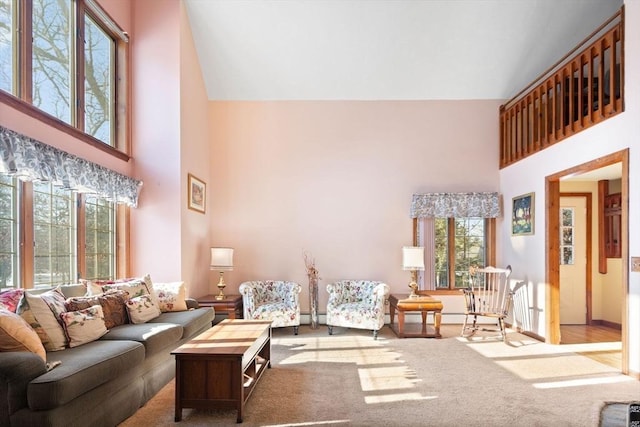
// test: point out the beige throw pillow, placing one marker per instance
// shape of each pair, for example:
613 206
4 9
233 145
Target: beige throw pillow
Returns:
37 311
17 335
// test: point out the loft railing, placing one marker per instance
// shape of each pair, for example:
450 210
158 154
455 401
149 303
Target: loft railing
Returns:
583 89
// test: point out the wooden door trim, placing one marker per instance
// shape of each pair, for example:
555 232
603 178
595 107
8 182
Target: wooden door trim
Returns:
552 236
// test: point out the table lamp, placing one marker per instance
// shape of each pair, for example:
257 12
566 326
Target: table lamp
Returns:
221 260
413 260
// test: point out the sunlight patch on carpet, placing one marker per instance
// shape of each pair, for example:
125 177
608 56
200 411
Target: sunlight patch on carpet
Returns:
387 378
311 423
584 381
554 366
397 397
356 350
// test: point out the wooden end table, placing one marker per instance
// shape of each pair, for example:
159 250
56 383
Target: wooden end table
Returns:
425 305
231 305
221 367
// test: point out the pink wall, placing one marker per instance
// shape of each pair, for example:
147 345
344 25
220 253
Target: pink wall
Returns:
155 224
336 179
194 159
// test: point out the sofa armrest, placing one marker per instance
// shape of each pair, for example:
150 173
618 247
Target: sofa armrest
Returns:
17 369
192 303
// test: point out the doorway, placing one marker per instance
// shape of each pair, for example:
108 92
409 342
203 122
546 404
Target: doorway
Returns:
553 236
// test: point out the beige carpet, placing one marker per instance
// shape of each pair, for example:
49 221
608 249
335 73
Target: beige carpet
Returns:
348 379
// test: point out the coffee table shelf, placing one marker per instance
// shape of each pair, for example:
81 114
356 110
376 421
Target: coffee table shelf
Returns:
221 367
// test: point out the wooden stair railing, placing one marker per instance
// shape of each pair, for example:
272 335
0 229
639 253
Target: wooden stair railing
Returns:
580 91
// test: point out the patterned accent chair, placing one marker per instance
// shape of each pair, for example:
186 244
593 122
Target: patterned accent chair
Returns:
357 304
273 300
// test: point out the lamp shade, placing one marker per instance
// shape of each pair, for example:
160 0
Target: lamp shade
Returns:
222 259
413 258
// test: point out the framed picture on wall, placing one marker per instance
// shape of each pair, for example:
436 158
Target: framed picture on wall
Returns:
522 215
197 194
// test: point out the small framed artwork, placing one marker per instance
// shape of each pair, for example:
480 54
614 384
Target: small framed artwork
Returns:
522 219
197 194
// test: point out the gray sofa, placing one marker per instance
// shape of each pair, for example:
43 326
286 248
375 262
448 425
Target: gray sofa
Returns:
100 383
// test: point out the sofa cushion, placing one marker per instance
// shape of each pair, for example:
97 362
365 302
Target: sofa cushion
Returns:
191 321
82 369
154 336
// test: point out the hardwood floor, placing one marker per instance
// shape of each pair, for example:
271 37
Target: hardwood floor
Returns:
583 334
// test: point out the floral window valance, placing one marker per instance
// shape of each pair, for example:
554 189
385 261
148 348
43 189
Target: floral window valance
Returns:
455 205
31 160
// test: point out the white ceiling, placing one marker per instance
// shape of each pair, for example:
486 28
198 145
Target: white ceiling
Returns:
384 49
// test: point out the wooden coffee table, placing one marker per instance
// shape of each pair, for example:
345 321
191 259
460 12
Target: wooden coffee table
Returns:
221 367
425 305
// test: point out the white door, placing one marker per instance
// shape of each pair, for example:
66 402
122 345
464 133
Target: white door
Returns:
573 259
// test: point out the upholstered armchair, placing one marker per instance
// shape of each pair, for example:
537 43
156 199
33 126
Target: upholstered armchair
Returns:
273 300
357 304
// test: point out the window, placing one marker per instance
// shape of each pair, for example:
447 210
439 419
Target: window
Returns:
56 222
452 245
99 60
7 39
75 69
454 256
8 232
100 239
51 59
55 236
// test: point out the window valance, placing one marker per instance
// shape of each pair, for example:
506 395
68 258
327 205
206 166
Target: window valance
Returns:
455 205
31 160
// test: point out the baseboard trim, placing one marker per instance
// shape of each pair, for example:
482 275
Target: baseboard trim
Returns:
607 324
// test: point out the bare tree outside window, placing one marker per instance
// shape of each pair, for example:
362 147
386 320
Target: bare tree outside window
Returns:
99 53
51 58
7 32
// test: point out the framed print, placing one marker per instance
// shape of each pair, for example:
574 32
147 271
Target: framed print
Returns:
522 219
197 194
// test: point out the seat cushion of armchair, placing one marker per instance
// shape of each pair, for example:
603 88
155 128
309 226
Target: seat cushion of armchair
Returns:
280 314
82 369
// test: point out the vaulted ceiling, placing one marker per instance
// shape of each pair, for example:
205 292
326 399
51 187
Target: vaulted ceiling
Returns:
384 49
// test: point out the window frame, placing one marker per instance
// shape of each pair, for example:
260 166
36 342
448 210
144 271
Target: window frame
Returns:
490 253
22 99
26 252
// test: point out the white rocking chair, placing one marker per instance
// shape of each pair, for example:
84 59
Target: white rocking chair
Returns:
488 295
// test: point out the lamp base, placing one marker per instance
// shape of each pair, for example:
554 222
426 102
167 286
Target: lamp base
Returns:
414 288
221 286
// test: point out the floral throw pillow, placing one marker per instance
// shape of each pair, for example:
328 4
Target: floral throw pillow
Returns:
171 296
10 298
84 325
142 309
